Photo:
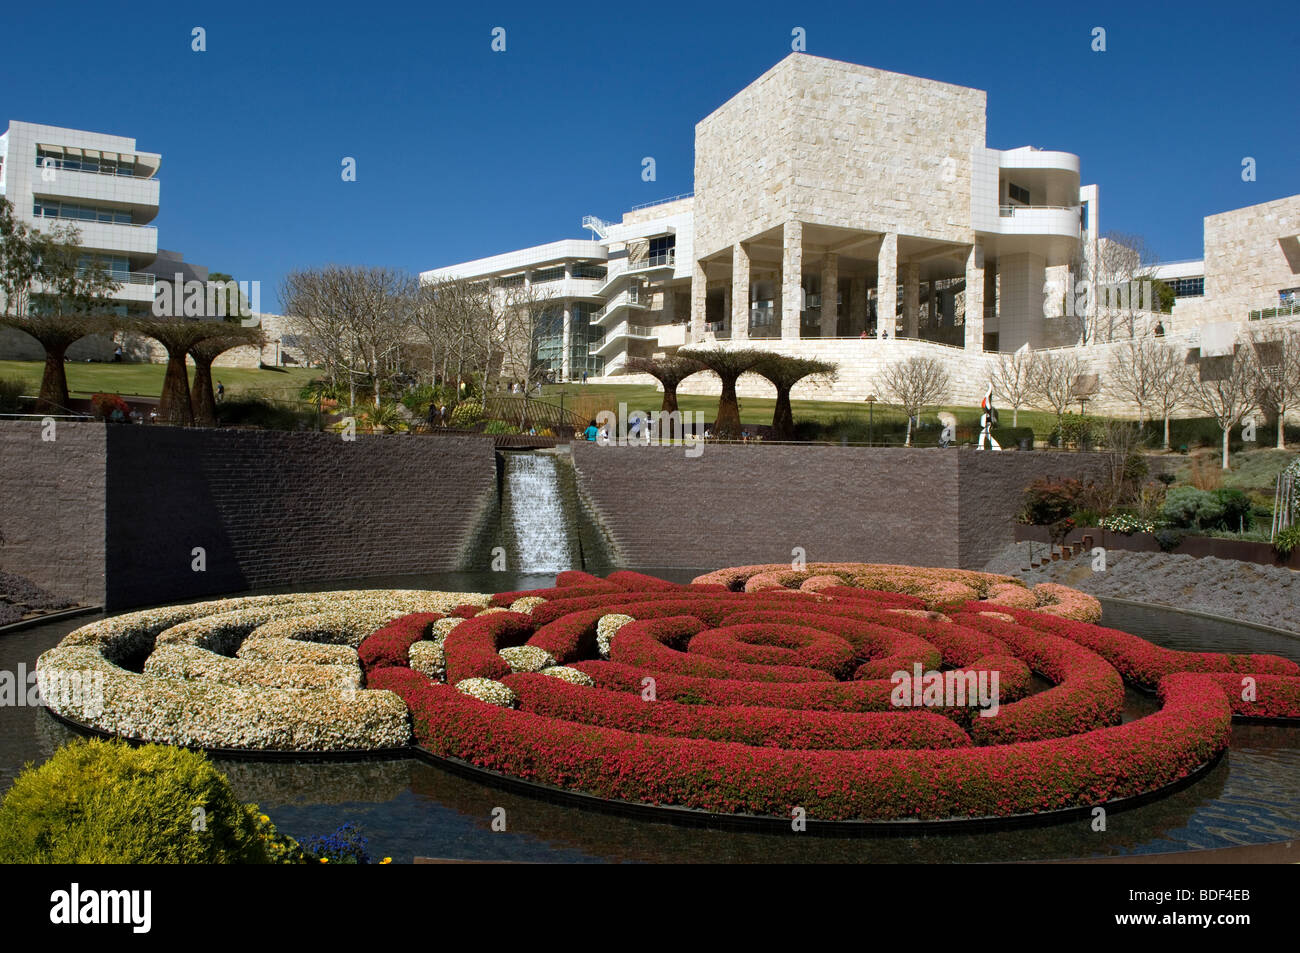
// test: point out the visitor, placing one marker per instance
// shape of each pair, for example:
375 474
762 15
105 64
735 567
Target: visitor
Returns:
221 390
1160 329
591 431
442 415
117 355
863 335
884 334
584 377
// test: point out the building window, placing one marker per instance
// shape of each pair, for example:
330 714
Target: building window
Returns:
1017 194
53 208
1186 287
510 281
543 275
585 269
122 165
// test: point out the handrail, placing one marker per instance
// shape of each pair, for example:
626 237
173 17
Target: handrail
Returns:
89 221
59 165
1009 211
675 198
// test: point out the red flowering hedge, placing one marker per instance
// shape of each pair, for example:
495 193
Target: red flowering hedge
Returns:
391 644
761 701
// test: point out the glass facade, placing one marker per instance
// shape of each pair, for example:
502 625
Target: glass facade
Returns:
548 341
588 270
584 337
1186 287
122 165
548 274
53 208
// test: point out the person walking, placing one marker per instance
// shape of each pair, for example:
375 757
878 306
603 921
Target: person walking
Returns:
221 390
590 433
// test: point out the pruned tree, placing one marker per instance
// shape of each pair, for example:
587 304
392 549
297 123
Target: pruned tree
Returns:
177 336
204 352
1124 289
528 313
669 372
1227 388
915 384
1013 381
1171 380
49 294
1277 353
1055 382
784 372
728 365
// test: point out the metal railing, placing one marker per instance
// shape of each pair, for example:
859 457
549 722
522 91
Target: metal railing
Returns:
48 162
1281 311
662 260
675 198
1009 211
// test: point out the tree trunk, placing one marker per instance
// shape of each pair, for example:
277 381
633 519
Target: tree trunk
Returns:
728 423
1015 416
783 416
1166 431
202 401
669 405
1226 432
54 382
908 441
1281 425
174 405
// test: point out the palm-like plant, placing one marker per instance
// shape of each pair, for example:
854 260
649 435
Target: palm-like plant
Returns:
669 372
204 352
728 365
784 372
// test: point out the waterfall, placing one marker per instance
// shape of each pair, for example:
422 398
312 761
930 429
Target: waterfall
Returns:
535 515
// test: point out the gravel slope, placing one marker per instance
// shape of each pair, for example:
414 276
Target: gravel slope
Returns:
1250 592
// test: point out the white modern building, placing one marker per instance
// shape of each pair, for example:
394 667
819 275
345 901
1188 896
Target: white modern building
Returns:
832 203
102 184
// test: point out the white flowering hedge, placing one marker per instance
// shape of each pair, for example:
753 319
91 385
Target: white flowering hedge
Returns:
488 690
605 629
428 658
270 673
527 658
571 675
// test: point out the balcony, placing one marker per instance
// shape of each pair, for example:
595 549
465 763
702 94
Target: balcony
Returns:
139 193
138 241
616 336
631 298
1062 220
663 260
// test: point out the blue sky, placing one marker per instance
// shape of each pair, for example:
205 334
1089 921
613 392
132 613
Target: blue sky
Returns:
462 152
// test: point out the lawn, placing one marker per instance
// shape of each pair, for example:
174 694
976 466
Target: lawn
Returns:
589 398
145 380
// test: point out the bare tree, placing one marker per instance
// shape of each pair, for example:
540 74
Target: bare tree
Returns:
1227 389
1133 372
1055 381
529 313
1123 291
1277 353
1013 381
915 384
1171 381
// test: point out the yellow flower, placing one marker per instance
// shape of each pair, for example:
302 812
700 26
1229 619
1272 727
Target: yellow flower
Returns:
324 860
387 860
264 819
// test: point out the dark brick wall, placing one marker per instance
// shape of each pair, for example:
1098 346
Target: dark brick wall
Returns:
52 507
736 505
992 490
278 508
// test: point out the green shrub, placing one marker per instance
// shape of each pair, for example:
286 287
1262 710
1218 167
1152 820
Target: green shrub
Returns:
255 412
1237 510
467 414
11 390
1286 541
1168 539
500 427
1189 508
101 802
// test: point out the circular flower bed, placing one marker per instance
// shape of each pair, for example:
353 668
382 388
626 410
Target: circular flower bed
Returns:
850 691
758 690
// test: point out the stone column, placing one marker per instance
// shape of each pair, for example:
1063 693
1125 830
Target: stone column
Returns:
739 292
887 284
911 299
699 299
934 305
830 294
858 302
975 297
791 280
669 310
568 337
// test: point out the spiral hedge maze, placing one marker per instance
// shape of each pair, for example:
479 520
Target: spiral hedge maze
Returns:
855 692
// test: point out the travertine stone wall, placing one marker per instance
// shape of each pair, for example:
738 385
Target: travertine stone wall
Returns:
817 137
